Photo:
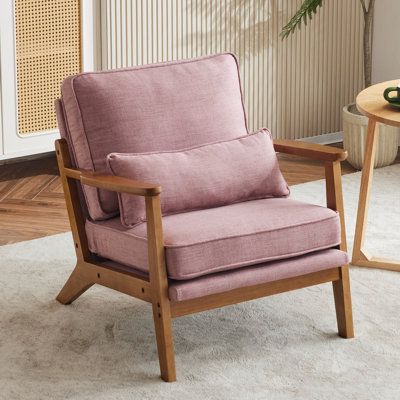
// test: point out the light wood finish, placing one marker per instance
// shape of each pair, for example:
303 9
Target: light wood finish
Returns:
299 169
343 306
76 285
367 260
48 48
155 288
365 189
87 274
341 287
310 150
87 269
210 302
113 183
75 214
372 104
334 195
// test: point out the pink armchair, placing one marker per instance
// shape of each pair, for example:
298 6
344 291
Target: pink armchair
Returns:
187 262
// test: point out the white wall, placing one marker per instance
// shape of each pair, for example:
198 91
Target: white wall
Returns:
386 50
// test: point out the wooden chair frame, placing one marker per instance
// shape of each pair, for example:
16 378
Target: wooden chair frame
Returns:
154 289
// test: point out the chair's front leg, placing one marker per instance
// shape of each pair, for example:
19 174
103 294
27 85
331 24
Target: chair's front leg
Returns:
159 289
341 287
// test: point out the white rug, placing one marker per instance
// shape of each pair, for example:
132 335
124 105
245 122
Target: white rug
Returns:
281 347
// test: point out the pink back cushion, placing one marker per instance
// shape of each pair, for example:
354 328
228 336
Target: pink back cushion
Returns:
159 107
205 176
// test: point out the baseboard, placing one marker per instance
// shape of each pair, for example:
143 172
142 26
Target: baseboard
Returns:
13 160
326 138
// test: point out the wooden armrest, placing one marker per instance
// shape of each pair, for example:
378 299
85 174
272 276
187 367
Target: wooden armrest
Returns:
310 150
113 183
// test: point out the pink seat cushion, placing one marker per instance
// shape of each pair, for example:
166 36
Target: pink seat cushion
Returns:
257 274
202 177
224 238
159 107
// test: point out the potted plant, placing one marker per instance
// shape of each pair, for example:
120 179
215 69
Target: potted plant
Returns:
354 123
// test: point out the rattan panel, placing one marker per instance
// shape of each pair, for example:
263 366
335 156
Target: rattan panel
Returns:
48 48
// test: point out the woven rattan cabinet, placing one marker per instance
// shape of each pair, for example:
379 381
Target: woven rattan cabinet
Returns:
41 42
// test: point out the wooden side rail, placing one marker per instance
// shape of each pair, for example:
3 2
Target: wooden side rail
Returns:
310 150
87 273
113 183
234 296
332 157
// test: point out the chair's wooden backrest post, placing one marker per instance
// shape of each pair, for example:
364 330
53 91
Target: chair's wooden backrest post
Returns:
334 195
75 214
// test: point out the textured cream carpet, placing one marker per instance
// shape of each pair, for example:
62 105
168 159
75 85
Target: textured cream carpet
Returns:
282 347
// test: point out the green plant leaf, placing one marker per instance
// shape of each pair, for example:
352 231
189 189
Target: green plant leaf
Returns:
303 14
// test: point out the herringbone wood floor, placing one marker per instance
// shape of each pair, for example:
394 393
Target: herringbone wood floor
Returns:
32 201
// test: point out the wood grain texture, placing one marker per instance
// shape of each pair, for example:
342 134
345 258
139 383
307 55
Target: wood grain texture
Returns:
365 188
72 201
32 202
86 275
191 306
159 289
76 285
114 183
310 150
369 261
341 287
372 104
343 305
334 196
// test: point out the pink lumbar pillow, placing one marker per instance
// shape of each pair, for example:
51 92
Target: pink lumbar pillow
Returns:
206 176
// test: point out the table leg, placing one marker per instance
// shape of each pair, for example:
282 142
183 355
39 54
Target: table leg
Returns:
360 257
365 189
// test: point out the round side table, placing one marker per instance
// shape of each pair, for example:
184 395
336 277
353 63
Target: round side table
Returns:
371 103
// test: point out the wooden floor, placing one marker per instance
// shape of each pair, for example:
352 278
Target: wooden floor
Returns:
32 202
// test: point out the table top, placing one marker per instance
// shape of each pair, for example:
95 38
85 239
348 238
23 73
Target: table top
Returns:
372 104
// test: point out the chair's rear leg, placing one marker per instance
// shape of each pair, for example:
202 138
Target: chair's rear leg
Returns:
344 314
74 287
165 344
77 283
341 288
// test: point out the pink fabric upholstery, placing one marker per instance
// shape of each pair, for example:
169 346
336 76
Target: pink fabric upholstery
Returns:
224 238
157 107
202 177
257 274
